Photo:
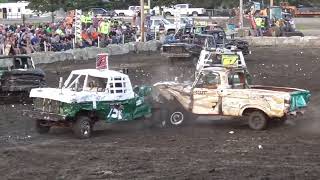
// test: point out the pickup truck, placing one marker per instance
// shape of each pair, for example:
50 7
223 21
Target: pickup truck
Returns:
184 9
221 91
156 21
189 48
87 96
131 11
18 75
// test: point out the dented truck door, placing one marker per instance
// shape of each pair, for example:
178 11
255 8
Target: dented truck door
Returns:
205 97
236 96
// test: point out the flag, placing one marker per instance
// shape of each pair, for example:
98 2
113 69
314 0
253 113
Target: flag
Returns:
102 61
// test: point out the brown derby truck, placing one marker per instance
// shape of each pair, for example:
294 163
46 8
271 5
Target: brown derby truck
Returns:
220 91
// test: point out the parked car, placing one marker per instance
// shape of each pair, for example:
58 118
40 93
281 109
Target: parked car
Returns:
184 9
131 11
87 96
156 21
102 12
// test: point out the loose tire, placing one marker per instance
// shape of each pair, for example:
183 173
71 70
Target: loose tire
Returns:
82 128
41 128
257 120
179 117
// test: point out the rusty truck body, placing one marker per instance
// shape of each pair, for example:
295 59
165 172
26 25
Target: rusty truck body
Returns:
221 91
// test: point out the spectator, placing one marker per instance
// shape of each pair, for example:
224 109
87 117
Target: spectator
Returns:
58 37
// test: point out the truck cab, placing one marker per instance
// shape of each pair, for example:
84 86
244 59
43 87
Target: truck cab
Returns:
220 56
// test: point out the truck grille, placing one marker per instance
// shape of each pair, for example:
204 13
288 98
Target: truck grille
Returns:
47 105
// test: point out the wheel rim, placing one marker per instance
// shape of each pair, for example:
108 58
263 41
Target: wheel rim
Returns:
176 118
85 128
256 122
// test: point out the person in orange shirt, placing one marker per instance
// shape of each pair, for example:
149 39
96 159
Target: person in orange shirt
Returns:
86 41
94 36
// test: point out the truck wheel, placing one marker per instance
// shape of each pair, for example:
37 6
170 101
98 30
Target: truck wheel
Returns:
82 128
257 120
41 128
194 14
167 14
179 117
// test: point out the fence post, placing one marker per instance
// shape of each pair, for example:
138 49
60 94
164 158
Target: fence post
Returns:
73 43
45 46
3 49
98 41
122 38
155 33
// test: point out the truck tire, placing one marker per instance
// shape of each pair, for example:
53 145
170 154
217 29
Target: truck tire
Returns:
257 120
41 128
194 14
167 14
82 128
179 117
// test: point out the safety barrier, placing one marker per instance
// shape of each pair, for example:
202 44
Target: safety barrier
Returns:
295 41
91 52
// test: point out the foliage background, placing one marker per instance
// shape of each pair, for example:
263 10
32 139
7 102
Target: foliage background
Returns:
52 5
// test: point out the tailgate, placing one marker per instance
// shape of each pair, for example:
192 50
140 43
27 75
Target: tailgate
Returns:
299 99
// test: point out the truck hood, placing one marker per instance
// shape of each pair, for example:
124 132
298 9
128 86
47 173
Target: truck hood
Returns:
70 96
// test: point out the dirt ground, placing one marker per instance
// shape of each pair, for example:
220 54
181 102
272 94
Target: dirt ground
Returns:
205 150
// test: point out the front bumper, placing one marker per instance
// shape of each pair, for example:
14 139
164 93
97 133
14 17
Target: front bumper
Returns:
296 113
37 114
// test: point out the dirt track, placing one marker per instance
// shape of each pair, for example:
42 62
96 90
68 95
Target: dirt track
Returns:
205 150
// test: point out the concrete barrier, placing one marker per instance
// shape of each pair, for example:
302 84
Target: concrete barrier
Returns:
91 52
295 41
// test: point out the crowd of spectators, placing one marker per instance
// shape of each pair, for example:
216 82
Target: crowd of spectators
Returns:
28 38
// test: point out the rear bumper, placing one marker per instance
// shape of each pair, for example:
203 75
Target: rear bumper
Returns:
37 114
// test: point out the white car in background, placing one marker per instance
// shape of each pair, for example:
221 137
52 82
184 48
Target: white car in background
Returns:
131 11
185 9
157 20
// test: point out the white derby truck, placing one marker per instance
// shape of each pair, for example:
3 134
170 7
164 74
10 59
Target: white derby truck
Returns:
220 91
87 96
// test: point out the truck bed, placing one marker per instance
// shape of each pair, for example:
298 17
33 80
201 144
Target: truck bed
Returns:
274 88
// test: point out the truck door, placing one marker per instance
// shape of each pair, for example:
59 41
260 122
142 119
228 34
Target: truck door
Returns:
183 9
205 97
236 96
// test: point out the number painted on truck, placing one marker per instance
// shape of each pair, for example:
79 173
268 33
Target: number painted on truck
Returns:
200 92
228 59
